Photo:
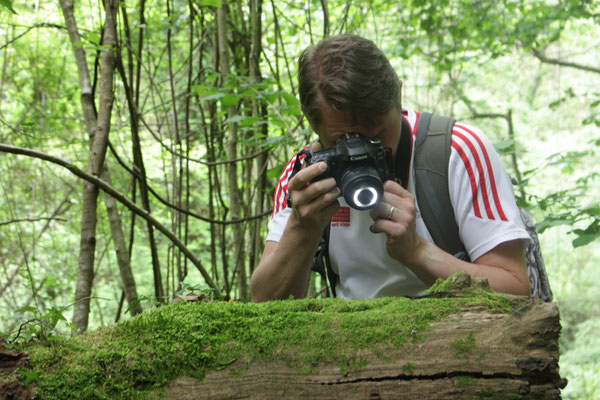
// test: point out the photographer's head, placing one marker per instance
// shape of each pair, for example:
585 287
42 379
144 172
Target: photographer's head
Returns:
347 84
349 74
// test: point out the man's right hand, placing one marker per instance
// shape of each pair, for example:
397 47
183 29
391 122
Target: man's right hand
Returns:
313 204
284 268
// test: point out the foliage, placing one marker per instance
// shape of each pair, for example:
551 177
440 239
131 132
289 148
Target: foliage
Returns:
38 327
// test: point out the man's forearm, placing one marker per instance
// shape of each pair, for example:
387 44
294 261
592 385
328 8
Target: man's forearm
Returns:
504 267
284 269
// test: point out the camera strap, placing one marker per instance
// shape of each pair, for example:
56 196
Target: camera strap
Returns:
305 152
401 164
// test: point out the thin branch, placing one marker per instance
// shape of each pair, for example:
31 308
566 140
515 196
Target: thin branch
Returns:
14 221
187 212
556 61
40 25
119 197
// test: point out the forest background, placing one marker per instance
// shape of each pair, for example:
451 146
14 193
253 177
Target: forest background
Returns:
186 112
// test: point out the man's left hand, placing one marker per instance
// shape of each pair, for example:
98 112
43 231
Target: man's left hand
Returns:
395 216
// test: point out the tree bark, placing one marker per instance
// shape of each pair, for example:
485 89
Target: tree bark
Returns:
513 356
90 117
123 260
232 179
258 110
85 272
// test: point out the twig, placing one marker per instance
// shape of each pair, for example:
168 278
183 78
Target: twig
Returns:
40 25
14 221
555 61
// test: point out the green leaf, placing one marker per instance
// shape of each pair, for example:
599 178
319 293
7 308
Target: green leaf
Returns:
584 239
94 37
504 144
274 172
248 121
229 100
289 99
213 96
291 110
209 3
235 118
8 4
26 309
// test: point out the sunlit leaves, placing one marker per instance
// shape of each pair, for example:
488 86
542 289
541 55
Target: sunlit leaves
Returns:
210 3
238 91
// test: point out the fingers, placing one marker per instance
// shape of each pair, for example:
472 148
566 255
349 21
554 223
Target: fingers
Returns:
396 211
314 203
303 191
306 175
396 189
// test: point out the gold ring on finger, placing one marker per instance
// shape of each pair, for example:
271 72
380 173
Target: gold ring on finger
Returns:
391 213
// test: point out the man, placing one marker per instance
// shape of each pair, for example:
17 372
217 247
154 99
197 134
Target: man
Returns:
347 84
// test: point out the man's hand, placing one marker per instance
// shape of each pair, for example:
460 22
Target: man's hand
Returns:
284 268
313 204
395 216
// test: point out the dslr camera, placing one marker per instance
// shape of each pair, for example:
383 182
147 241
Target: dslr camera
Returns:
359 167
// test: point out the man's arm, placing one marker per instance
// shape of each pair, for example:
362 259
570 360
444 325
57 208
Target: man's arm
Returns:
504 266
284 268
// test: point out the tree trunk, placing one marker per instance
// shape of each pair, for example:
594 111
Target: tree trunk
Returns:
475 353
460 341
123 260
258 110
90 117
232 180
139 167
85 273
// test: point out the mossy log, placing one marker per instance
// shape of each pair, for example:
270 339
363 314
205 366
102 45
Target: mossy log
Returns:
456 343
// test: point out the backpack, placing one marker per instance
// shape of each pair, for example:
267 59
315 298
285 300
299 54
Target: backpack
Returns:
432 155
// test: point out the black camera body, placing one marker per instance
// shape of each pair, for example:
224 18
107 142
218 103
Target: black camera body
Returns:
359 167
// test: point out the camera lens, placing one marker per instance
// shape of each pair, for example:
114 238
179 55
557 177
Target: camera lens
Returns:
361 187
365 196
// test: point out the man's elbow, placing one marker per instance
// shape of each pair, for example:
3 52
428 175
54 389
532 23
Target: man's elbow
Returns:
256 290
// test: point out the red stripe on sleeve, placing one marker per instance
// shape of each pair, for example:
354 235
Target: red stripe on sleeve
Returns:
491 174
484 195
280 196
465 160
279 204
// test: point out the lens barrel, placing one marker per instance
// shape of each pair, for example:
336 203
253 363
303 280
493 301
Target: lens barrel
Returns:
361 187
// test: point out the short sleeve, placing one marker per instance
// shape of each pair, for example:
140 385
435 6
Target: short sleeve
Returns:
281 211
481 194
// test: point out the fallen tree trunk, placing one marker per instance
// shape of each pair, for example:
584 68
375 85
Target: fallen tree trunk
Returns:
476 353
458 343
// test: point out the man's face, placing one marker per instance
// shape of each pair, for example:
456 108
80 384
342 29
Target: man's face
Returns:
385 127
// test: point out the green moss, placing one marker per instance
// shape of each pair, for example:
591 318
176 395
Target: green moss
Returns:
476 289
409 368
143 354
464 381
463 348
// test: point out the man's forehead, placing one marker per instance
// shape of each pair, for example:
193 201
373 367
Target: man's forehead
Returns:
333 119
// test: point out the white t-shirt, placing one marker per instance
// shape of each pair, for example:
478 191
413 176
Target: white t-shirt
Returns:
481 194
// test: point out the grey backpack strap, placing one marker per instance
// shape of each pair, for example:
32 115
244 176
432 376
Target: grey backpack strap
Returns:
536 268
432 154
